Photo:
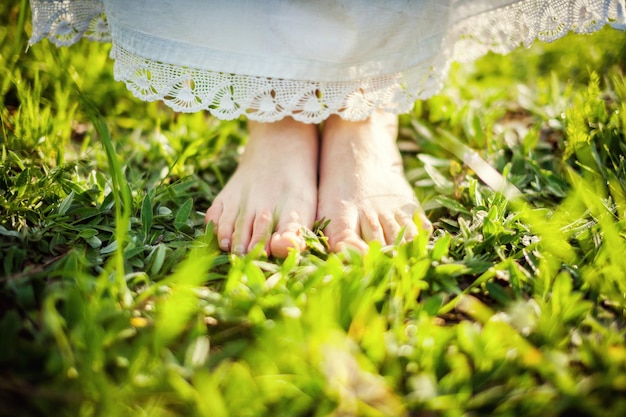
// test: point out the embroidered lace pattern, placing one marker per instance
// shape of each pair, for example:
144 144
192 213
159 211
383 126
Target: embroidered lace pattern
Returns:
229 96
64 22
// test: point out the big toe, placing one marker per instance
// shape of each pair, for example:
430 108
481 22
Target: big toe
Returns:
287 238
346 239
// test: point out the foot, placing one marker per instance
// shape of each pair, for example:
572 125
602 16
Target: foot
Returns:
273 193
362 189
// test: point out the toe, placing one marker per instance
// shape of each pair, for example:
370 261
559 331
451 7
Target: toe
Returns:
223 223
371 227
214 213
391 228
241 233
342 231
287 237
341 237
345 240
408 226
261 229
427 226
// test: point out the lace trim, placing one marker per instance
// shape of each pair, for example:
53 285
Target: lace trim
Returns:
228 96
505 29
65 22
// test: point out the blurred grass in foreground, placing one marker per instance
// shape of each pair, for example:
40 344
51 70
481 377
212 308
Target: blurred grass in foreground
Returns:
115 300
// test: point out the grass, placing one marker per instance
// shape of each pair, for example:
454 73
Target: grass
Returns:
115 300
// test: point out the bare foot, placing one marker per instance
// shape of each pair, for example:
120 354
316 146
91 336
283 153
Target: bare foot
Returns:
362 189
273 193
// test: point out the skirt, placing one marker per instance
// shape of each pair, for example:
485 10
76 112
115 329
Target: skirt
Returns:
306 59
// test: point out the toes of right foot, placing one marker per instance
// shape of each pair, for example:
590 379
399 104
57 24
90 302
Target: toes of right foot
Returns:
281 244
226 237
214 213
224 233
224 244
286 238
221 226
261 229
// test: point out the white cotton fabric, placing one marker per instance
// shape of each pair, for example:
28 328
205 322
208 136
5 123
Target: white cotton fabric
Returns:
302 58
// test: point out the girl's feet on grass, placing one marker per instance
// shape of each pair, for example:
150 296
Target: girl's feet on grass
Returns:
273 193
362 188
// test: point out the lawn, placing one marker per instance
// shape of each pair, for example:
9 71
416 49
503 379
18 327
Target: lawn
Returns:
115 299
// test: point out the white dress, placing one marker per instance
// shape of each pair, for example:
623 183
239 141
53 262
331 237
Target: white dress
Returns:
267 59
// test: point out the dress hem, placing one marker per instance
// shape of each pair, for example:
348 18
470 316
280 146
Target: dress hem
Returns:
229 96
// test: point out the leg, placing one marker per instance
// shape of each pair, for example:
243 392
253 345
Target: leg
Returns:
362 190
273 193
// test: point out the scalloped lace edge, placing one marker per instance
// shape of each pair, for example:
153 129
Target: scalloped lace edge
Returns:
229 96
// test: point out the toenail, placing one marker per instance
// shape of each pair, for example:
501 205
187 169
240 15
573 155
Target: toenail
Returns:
224 244
239 249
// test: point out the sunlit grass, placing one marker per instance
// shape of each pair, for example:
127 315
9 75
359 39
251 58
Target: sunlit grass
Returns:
115 299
